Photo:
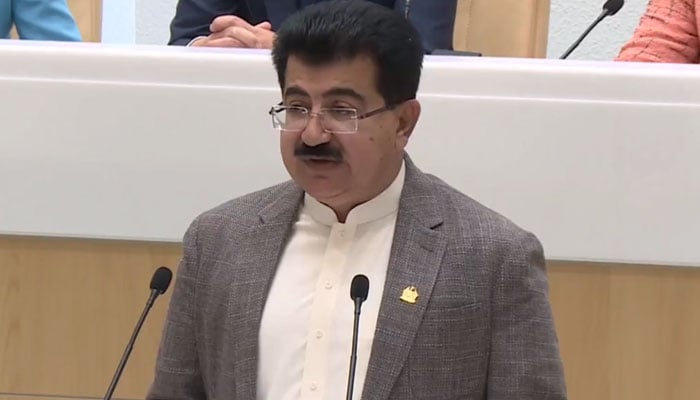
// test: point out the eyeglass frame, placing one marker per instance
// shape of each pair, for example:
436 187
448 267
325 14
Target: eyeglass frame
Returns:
310 114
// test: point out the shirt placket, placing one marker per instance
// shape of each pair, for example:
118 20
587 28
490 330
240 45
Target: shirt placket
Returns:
322 310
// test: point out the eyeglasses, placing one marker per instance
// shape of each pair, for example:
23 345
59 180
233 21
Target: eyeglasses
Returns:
339 120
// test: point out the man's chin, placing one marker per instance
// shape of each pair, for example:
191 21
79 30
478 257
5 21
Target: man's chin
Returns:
325 192
322 193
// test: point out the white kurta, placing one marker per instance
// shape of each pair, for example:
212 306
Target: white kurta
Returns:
306 327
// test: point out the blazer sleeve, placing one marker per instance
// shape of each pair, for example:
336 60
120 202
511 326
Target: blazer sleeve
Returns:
667 32
434 20
193 17
45 20
178 374
524 360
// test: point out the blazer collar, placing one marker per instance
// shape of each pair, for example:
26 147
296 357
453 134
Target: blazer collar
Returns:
416 256
255 273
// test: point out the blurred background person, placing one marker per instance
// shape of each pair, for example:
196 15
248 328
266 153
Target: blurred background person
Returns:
252 23
38 20
667 32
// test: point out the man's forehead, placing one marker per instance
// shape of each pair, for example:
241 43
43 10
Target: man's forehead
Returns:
333 91
345 77
361 59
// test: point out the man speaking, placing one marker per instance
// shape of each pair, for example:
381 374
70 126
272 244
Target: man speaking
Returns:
458 300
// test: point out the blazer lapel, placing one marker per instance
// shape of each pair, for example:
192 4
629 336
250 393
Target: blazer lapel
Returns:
415 261
261 248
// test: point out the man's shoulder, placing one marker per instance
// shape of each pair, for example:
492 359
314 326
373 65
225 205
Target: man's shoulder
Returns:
480 233
467 216
244 211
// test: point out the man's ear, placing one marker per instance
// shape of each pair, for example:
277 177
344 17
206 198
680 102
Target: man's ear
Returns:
408 113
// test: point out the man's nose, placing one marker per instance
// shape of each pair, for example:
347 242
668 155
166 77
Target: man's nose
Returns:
314 134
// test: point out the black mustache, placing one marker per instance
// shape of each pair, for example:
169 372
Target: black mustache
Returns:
323 151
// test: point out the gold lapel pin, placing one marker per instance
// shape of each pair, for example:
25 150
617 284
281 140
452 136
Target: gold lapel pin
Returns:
410 295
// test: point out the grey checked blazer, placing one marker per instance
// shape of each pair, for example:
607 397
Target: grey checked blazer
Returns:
482 328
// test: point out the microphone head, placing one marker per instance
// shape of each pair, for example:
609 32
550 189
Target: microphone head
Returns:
161 279
359 288
613 6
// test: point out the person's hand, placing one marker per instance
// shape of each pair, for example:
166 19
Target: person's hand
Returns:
233 31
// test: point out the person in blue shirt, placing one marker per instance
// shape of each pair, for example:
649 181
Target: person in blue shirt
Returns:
38 20
252 23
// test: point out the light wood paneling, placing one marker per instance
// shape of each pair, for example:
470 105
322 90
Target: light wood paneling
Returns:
67 308
502 28
11 396
580 302
627 332
88 16
655 331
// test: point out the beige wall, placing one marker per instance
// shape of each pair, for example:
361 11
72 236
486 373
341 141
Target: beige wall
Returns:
67 308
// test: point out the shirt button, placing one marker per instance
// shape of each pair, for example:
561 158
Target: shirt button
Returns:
319 334
328 285
313 386
342 234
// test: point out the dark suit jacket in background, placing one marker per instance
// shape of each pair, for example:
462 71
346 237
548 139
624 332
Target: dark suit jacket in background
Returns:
434 19
481 329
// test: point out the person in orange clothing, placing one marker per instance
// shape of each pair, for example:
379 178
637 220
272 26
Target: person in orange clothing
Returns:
667 32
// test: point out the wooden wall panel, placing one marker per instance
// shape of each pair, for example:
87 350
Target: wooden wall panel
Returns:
88 16
8 396
503 28
67 308
627 332
655 333
580 297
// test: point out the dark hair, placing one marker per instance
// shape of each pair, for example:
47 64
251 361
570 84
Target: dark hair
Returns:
336 30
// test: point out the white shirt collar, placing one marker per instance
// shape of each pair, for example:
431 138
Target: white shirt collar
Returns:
387 202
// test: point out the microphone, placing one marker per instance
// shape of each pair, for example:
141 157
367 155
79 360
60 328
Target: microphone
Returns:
159 284
359 288
610 8
406 8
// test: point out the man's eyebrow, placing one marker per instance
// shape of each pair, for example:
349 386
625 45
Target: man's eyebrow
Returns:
295 90
333 92
344 92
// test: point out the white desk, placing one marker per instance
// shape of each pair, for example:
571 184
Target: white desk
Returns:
600 160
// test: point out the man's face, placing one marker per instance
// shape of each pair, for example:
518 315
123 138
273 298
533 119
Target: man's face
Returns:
343 170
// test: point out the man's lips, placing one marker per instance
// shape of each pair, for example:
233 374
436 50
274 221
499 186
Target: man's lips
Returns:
319 158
